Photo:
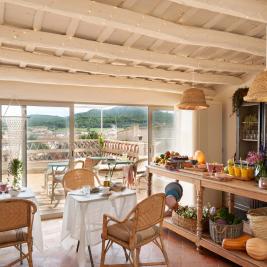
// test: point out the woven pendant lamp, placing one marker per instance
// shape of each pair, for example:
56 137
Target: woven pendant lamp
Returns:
258 89
193 99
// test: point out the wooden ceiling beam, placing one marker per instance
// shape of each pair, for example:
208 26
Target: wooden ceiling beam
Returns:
2 12
123 19
72 65
245 9
11 35
38 20
80 79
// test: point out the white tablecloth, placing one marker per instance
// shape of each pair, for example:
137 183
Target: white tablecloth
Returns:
83 217
37 233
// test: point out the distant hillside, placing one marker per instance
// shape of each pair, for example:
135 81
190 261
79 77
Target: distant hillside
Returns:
121 116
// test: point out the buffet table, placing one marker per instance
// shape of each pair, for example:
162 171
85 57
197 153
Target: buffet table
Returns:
241 188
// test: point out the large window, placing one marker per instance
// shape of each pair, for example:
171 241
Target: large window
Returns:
47 142
43 136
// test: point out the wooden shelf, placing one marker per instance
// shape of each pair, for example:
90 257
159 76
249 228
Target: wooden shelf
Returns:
238 257
250 140
179 230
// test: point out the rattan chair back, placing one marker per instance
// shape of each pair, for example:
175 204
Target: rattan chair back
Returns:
16 213
78 178
89 163
149 212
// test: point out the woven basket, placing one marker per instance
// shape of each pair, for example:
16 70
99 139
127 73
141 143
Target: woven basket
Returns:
187 223
258 222
218 231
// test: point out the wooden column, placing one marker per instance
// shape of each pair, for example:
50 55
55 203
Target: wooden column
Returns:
199 190
231 201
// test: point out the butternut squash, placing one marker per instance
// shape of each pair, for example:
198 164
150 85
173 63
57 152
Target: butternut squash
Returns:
238 243
200 157
257 248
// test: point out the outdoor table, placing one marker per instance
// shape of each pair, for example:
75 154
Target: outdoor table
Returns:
54 166
112 163
83 217
37 226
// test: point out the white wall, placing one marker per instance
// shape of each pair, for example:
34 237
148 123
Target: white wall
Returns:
224 95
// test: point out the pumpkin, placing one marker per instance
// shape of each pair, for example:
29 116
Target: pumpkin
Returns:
238 243
257 248
200 157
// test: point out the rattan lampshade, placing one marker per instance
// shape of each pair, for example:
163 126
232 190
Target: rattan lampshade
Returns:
258 90
193 99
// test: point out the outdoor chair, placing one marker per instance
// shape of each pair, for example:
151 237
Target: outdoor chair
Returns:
57 178
142 226
16 222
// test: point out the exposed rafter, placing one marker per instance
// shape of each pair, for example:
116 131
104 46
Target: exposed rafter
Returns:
71 65
23 37
38 20
106 15
2 12
246 9
79 79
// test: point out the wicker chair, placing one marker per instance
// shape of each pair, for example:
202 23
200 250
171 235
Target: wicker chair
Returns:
142 226
78 178
16 222
91 165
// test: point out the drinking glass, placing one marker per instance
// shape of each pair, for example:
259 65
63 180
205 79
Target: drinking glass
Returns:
86 190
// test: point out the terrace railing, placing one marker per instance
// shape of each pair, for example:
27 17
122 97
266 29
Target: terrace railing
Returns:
40 152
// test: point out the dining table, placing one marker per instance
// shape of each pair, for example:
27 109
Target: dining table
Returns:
83 217
37 234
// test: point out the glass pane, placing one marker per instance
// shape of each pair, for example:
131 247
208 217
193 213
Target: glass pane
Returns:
123 129
13 127
163 131
248 130
47 144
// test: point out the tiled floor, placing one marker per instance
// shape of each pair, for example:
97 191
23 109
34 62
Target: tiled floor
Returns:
181 252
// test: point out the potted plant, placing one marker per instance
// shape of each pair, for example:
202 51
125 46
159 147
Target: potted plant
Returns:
259 161
238 99
186 217
15 169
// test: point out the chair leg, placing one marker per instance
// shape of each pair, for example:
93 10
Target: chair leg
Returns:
138 255
20 254
53 192
103 253
134 258
164 251
126 254
77 248
30 255
91 256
